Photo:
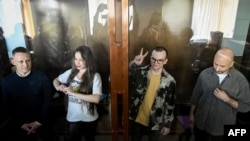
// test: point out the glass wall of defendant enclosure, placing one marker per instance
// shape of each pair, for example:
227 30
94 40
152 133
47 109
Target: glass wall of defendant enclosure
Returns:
116 30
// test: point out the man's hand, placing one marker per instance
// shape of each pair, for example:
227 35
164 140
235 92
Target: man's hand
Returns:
139 58
165 131
31 127
191 119
222 95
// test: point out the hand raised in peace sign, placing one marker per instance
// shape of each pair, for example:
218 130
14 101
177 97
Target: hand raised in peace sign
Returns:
139 58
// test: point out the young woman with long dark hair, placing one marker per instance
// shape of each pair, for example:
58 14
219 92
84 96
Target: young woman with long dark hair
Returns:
83 86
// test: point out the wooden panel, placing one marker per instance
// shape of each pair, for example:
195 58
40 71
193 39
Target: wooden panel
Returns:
118 37
125 68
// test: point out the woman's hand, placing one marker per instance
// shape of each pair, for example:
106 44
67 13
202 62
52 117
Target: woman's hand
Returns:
60 88
68 91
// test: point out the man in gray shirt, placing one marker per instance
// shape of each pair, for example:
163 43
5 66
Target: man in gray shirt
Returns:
220 92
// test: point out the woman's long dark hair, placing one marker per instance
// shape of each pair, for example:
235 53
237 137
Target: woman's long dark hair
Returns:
88 77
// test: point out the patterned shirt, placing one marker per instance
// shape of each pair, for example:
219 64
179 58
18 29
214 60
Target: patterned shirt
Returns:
162 111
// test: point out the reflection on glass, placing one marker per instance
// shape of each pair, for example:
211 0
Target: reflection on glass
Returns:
62 26
191 38
12 27
169 23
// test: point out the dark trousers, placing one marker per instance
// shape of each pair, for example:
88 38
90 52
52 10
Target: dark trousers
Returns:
137 131
22 136
14 133
87 129
201 135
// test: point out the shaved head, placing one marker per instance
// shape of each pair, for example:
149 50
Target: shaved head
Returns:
223 60
226 52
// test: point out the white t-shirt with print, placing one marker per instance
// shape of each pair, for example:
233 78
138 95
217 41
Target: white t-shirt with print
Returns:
77 111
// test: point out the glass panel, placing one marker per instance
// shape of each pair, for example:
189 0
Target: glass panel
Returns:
154 23
168 23
53 29
12 27
63 25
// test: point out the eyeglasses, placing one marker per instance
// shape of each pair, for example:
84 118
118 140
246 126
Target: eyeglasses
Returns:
154 60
